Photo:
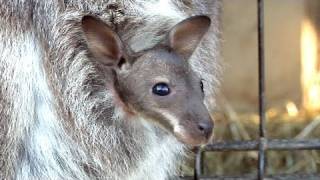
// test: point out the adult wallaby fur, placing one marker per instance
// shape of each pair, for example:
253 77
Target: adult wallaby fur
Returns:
105 89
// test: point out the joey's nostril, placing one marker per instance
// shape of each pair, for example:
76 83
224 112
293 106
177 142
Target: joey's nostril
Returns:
206 128
201 127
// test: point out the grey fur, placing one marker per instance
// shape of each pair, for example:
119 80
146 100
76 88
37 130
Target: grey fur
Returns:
57 119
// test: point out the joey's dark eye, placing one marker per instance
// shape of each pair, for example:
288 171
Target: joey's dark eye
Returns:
161 89
201 85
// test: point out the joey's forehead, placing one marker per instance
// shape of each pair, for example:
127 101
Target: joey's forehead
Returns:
162 61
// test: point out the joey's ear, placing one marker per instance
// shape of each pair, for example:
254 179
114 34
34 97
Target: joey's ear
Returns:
104 44
185 36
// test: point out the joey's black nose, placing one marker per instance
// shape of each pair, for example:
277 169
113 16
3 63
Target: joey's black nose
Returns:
206 128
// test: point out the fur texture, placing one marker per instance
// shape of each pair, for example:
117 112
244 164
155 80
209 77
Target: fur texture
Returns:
57 118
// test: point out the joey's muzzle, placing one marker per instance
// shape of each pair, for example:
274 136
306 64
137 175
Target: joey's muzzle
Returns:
194 133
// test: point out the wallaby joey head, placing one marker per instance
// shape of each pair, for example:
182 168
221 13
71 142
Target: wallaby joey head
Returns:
157 84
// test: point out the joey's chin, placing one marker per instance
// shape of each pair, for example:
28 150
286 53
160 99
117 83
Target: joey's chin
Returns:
191 139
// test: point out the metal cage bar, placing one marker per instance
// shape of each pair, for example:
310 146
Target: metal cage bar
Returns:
262 144
274 144
262 115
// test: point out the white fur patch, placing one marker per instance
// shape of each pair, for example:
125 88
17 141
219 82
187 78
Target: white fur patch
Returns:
162 8
165 153
173 120
35 111
152 11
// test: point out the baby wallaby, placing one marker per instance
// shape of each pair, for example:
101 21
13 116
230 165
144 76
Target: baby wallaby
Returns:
156 84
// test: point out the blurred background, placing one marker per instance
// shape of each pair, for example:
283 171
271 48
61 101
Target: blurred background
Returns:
292 29
291 53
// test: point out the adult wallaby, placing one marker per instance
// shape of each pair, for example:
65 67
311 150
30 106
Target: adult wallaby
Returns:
113 89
